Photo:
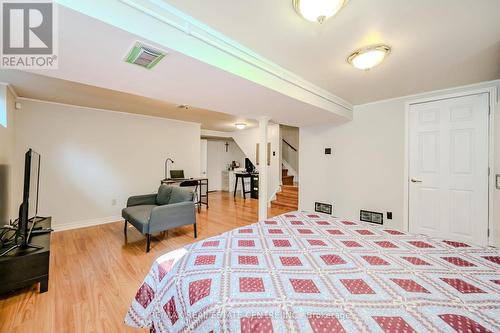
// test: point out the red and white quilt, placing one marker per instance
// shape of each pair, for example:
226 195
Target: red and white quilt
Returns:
302 272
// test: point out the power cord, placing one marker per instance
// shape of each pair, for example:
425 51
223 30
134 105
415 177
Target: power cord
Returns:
8 233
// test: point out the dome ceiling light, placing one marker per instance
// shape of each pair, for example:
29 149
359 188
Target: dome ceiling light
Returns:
240 126
318 10
368 57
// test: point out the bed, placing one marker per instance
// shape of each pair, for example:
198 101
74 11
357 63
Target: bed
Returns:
304 272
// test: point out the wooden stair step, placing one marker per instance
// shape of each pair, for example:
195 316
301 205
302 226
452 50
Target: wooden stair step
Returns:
287 180
288 195
278 204
290 202
289 188
284 172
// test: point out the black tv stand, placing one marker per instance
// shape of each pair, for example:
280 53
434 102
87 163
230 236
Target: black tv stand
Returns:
23 267
19 246
32 232
41 231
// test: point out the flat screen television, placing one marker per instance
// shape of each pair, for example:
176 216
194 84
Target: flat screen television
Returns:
29 208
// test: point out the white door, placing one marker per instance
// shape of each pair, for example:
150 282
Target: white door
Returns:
448 168
203 158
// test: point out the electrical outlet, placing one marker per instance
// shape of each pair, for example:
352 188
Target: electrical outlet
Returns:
113 202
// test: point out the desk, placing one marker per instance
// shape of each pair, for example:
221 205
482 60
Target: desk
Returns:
24 267
202 192
242 176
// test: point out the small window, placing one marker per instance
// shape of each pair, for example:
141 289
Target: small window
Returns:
3 116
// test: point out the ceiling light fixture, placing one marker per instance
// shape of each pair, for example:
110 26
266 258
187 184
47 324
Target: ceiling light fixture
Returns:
368 57
318 10
240 126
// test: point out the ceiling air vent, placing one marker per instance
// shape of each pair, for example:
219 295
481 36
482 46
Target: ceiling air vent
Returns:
144 56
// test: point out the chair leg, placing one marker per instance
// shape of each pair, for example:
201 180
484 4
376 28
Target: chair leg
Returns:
195 234
148 242
125 229
235 187
243 188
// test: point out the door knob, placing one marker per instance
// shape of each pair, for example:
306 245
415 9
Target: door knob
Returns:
415 180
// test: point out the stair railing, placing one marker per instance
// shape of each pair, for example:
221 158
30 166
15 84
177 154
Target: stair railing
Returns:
289 145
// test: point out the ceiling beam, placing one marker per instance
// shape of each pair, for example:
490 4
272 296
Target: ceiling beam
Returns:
161 23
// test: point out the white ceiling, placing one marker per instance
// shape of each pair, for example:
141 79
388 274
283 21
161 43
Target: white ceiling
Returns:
45 88
436 43
92 52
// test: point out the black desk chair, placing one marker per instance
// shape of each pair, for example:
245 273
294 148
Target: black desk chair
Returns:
242 176
194 185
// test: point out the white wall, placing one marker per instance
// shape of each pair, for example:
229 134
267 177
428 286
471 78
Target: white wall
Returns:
247 140
92 157
218 159
7 139
366 168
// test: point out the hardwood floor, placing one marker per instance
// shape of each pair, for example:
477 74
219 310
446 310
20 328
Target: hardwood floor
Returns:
95 273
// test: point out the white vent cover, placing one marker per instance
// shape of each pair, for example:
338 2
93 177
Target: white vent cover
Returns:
144 56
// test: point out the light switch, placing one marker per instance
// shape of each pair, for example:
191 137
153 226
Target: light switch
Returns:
498 181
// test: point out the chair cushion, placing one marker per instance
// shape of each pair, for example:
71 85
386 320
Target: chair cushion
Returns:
138 216
163 196
180 195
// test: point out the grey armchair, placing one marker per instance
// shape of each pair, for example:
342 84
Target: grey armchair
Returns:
171 207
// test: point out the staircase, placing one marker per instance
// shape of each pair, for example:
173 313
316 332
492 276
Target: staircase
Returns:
288 198
286 179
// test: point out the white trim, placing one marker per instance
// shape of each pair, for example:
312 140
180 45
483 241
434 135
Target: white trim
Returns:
491 193
216 134
492 93
11 89
86 223
406 189
292 171
202 32
273 195
433 92
104 110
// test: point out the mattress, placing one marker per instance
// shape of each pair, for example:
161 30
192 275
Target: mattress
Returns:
304 272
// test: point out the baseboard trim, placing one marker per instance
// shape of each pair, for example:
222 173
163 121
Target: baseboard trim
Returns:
86 223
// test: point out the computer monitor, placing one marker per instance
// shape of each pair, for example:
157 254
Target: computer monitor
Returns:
249 167
177 174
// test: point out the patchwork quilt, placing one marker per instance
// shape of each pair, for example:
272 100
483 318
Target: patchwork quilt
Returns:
303 272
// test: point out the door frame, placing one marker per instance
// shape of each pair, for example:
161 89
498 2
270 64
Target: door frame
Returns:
492 99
